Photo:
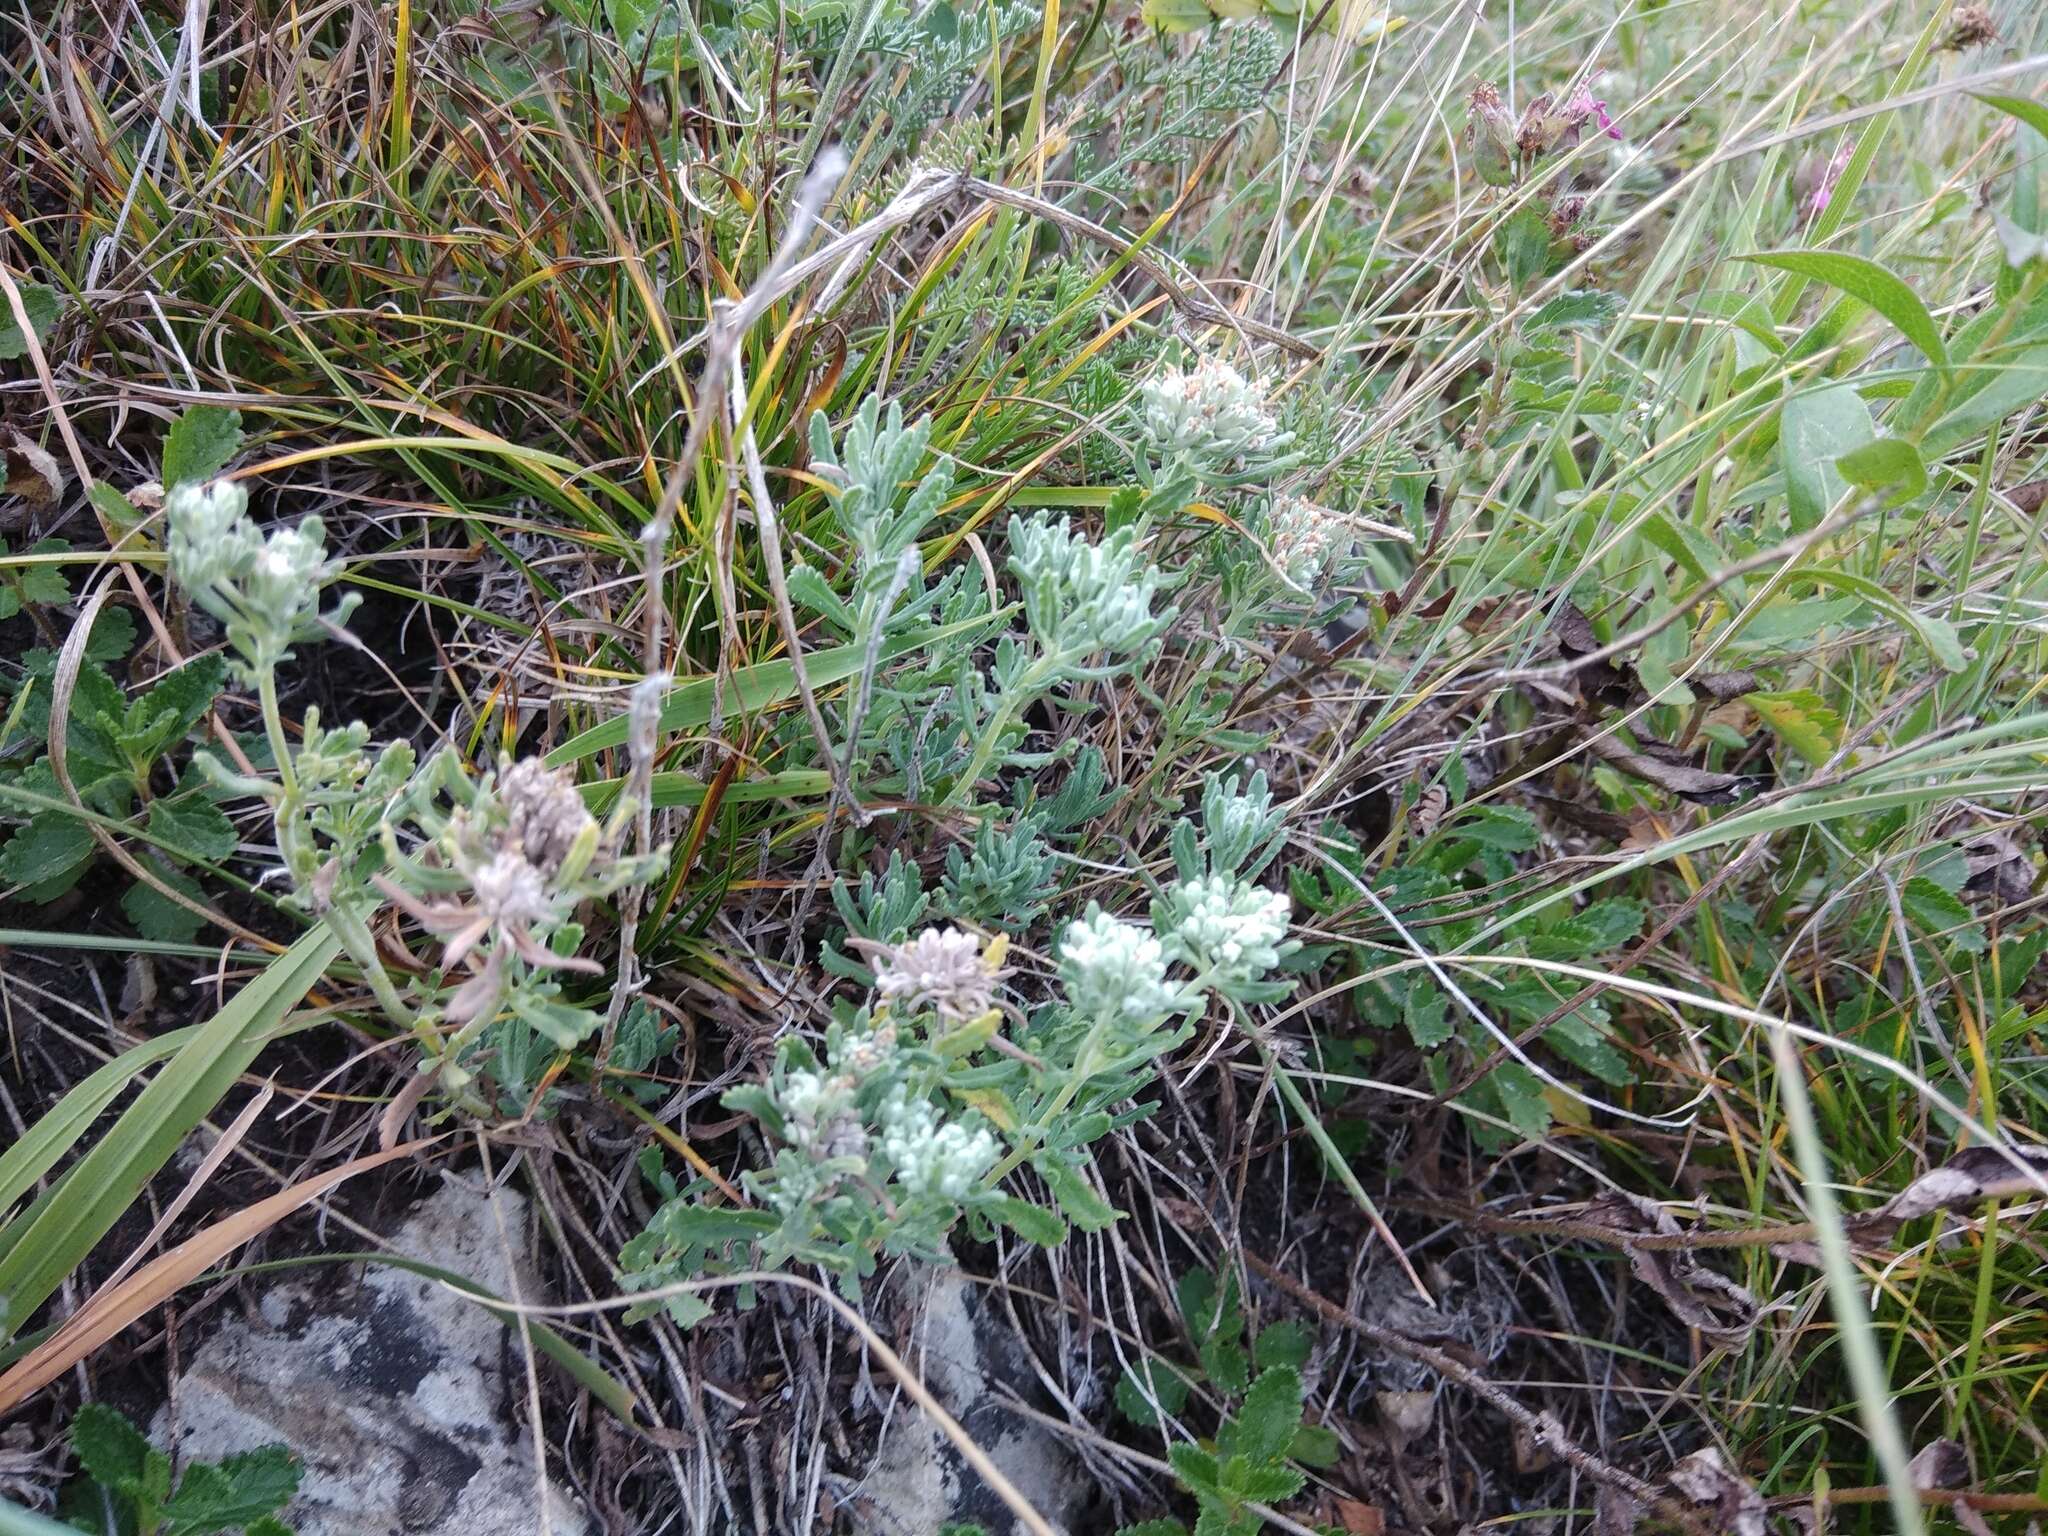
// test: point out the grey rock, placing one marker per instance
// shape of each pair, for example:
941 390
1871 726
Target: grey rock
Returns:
920 1483
392 1390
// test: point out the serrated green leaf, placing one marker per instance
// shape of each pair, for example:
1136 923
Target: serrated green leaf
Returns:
1801 719
1135 1394
1315 1446
1195 1467
200 444
1522 245
39 303
1600 927
1265 1425
156 916
1582 309
1578 1040
1268 1484
1225 1361
1499 826
111 1450
158 720
1941 916
1426 1013
222 1496
44 585
1286 1343
192 825
1519 1092
46 855
1862 278
113 635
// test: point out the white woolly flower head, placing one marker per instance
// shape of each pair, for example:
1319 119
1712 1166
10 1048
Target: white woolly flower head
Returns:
930 1157
1111 967
510 891
211 538
942 969
819 1114
1229 926
1209 414
1306 538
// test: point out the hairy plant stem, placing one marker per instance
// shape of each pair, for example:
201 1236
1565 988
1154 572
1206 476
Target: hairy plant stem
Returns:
1034 681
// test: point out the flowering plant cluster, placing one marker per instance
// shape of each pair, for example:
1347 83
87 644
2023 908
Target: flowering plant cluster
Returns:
919 1108
495 866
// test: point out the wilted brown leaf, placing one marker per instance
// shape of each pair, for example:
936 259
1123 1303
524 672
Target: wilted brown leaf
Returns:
33 476
1728 1503
1939 1464
1358 1519
1429 809
1972 1176
1615 1513
2000 870
1600 681
1723 686
2029 497
1698 1296
1670 769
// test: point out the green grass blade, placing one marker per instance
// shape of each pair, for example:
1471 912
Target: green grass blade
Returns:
108 1179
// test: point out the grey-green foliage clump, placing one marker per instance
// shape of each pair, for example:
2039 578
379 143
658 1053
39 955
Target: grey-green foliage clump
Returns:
496 866
936 726
910 1120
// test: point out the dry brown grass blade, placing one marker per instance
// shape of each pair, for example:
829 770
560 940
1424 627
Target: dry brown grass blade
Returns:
217 1154
113 1308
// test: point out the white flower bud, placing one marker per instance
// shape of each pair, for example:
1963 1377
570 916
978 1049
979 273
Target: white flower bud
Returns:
1114 968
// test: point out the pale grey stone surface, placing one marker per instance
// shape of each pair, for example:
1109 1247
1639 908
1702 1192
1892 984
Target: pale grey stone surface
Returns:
920 1482
392 1390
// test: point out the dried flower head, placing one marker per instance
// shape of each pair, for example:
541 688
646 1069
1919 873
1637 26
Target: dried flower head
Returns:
942 969
545 815
1492 136
1970 26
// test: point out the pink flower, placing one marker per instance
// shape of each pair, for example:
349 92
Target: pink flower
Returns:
1816 182
1583 108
